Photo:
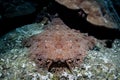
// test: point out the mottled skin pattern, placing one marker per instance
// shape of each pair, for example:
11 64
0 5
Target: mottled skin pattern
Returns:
59 46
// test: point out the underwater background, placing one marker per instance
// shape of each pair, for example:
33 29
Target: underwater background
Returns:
20 19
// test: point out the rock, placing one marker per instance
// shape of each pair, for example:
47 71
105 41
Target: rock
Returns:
97 13
17 8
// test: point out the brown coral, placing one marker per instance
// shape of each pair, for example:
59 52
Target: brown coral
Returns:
97 14
59 46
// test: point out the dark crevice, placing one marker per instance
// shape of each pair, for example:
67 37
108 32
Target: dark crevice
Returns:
73 20
8 24
109 43
69 16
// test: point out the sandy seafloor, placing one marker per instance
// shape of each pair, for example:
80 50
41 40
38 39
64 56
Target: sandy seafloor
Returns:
101 63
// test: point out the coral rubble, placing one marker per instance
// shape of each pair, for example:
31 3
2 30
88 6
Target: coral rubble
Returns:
101 63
